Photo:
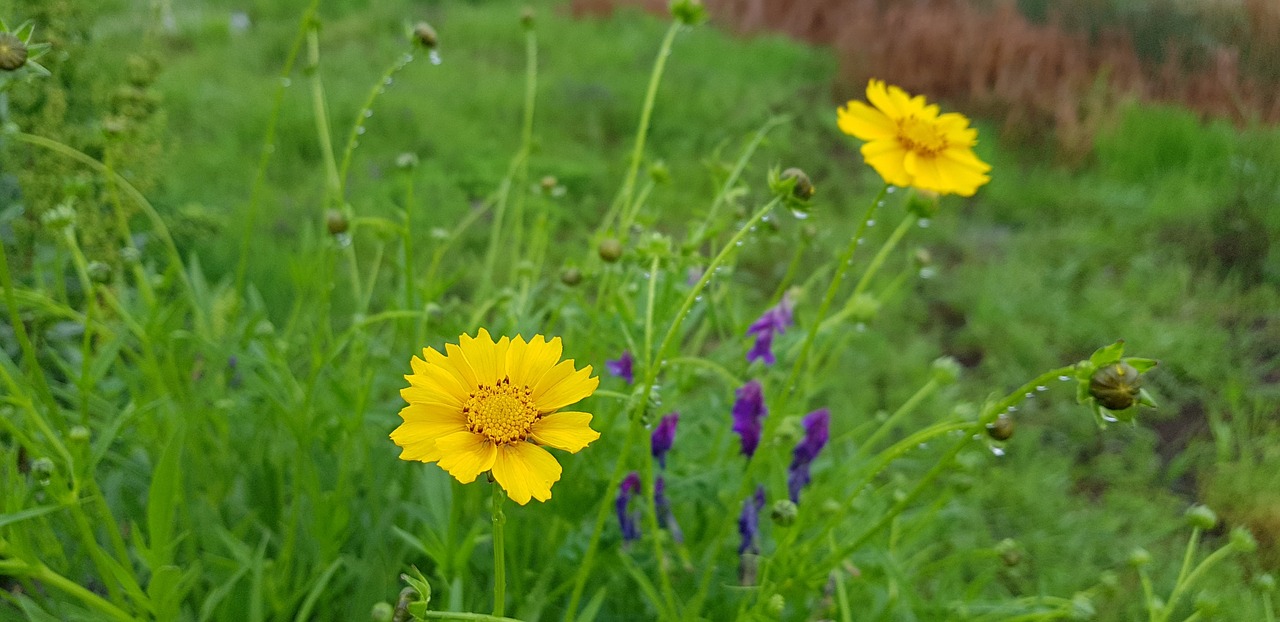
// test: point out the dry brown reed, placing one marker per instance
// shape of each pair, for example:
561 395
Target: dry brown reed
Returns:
994 60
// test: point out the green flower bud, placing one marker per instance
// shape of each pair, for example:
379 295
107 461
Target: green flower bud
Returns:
59 217
130 255
803 188
610 249
777 604
548 183
42 469
78 434
946 370
571 276
425 35
863 308
1208 604
99 271
336 222
1243 541
1010 552
784 513
659 172
688 12
526 17
1201 517
1002 428
382 612
407 161
13 52
1116 386
1139 557
1265 583
832 507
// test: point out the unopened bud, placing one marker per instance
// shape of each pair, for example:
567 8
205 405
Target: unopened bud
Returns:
1265 583
1139 557
336 222
59 217
688 12
78 434
526 17
99 271
425 35
1116 386
777 604
1243 541
571 276
946 370
1002 428
1201 517
407 161
610 249
1010 552
923 203
13 52
659 173
784 513
382 612
803 189
549 183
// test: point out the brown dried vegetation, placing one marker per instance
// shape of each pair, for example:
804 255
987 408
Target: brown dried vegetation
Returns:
998 62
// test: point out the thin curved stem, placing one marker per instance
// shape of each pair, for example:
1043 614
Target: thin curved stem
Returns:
499 553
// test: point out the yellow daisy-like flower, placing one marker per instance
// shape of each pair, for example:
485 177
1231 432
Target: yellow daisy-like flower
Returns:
910 144
486 406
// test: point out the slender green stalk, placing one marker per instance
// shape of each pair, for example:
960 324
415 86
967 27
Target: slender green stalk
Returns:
1181 588
454 615
1268 608
41 573
652 277
526 142
499 553
30 359
876 263
126 236
363 114
1188 556
623 202
732 180
333 188
908 406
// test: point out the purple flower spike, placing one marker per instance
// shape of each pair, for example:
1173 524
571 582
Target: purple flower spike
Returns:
748 412
775 321
663 436
817 425
629 521
622 367
749 522
666 517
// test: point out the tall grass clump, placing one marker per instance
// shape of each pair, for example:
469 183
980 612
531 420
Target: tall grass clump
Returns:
694 378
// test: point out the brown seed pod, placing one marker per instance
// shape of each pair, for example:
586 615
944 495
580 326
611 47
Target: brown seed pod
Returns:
13 52
1002 428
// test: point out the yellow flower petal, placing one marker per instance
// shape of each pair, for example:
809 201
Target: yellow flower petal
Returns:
528 362
886 157
563 386
457 365
487 359
432 383
864 122
569 431
423 425
466 455
526 471
879 97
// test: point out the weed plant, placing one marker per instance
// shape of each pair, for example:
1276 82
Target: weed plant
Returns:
200 380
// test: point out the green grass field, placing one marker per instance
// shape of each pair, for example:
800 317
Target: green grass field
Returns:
211 300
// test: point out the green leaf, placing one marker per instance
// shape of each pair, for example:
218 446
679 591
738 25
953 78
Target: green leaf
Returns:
313 595
165 593
419 583
163 499
592 609
1141 364
17 517
1107 354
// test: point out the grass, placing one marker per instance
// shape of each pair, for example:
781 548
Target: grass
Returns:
179 448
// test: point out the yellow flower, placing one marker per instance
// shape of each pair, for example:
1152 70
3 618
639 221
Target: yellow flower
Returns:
489 406
910 144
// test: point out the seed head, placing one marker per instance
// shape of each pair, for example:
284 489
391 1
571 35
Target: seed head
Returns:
571 276
1002 428
336 222
13 52
610 249
1116 386
425 35
1201 517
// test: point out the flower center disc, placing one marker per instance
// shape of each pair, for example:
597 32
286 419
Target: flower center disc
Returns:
503 413
921 136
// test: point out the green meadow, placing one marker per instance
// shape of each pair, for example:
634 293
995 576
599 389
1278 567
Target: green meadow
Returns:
228 228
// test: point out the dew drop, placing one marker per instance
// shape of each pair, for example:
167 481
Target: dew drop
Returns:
408 58
861 241
928 273
368 113
879 203
924 223
286 82
1011 409
997 451
860 327
1029 395
871 223
697 298
891 189
388 81
343 239
271 148
360 130
738 243
434 57
922 446
1064 378
1041 388
799 214
1108 417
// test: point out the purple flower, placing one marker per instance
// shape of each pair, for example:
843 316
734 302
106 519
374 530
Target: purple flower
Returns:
748 412
749 522
622 367
817 426
775 321
629 521
663 436
666 517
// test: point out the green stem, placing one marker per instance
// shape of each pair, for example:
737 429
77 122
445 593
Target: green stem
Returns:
41 573
908 406
1193 543
623 202
876 263
732 180
365 111
1148 594
499 554
333 189
652 276
269 145
1191 579
30 360
454 615
526 142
